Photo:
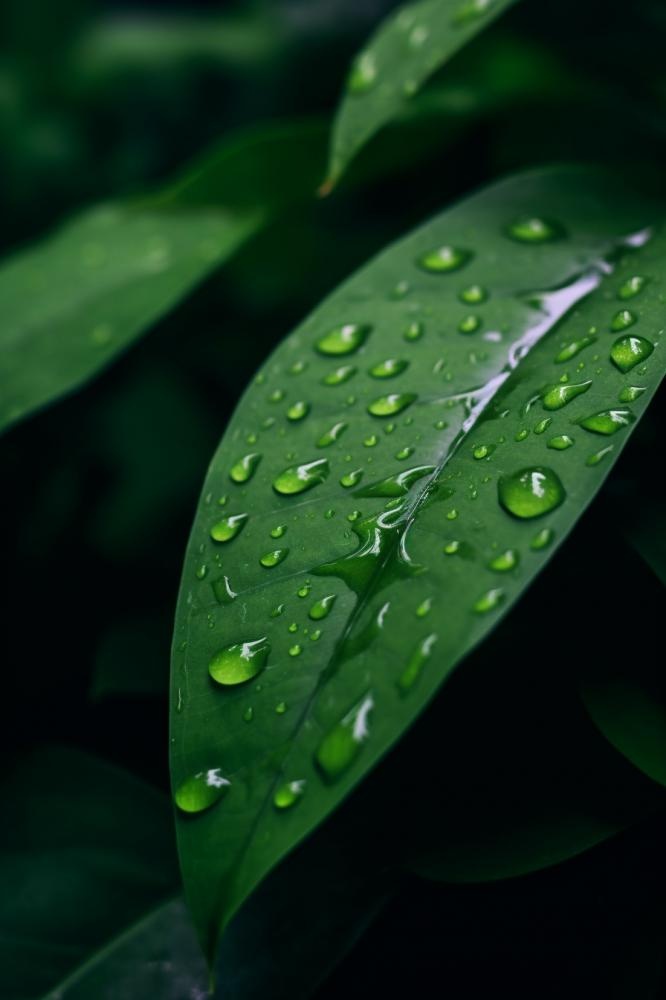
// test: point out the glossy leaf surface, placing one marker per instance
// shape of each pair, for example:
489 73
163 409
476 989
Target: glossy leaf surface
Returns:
386 490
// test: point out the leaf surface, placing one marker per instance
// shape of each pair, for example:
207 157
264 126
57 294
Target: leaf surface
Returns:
404 51
389 485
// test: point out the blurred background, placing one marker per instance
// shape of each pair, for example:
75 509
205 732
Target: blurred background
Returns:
101 100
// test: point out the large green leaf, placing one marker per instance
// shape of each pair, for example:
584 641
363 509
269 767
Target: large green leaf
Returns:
401 55
350 548
70 304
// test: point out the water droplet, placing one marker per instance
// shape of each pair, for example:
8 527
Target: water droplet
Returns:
451 515
631 393
201 571
245 468
322 608
342 744
542 539
622 320
489 601
389 368
397 485
315 634
292 627
444 259
394 402
530 492
279 610
343 339
400 290
424 608
416 663
561 442
363 74
469 324
452 548
298 410
339 375
534 229
470 10
505 561
228 528
521 435
248 714
201 791
542 426
332 435
574 348
627 352
351 478
414 331
295 650
557 396
353 515
288 794
298 367
281 708
607 421
274 558
239 663
222 590
598 456
304 590
299 478
370 441
404 453
473 295
278 531
631 287
483 451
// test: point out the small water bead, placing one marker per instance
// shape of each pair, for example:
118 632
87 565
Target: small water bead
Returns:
389 428
276 396
627 352
288 794
440 425
424 608
414 331
598 456
542 539
330 436
278 531
389 368
363 74
542 425
224 594
322 608
341 745
521 434
505 561
489 601
281 708
416 663
298 410
452 548
534 229
243 470
574 348
248 714
353 516
444 259
530 492
268 423
292 627
240 662
483 451
252 438
351 478
299 478
404 453
607 421
315 635
557 396
339 375
400 290
298 367
631 287
223 500
398 484
394 402
471 10
201 791
295 650
274 558
452 514
469 324
279 610
631 393
201 571
561 442
473 295
622 320
304 590
343 339
228 528
370 441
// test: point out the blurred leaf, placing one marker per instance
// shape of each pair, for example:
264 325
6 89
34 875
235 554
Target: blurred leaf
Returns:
404 51
85 851
647 534
444 343
132 659
74 302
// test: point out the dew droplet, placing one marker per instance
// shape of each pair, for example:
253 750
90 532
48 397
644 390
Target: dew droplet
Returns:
351 478
542 425
598 456
631 287
542 539
607 421
228 528
489 601
298 367
622 320
370 441
288 794
224 594
295 650
330 436
444 259
505 561
557 396
424 608
201 791
404 453
363 74
397 485
530 492
627 352
452 548
278 531
561 442
521 434
414 331
243 470
574 348
535 229
473 295
342 744
298 410
201 571
281 708
416 663
469 324
451 515
299 478
631 393
322 608
388 368
248 714
240 662
339 375
394 402
483 451
470 10
343 339
274 558
277 611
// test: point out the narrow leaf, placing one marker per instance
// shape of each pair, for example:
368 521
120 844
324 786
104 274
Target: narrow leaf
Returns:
387 488
70 304
405 50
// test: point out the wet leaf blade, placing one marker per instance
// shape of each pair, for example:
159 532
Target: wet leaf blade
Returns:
404 51
72 303
413 585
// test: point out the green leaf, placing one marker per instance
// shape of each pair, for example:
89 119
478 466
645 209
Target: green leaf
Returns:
73 302
398 59
350 548
85 851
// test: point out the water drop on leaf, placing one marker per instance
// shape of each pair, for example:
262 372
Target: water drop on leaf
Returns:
201 791
274 558
343 339
244 468
228 528
240 662
607 421
299 478
444 259
534 229
394 402
530 492
342 744
627 352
